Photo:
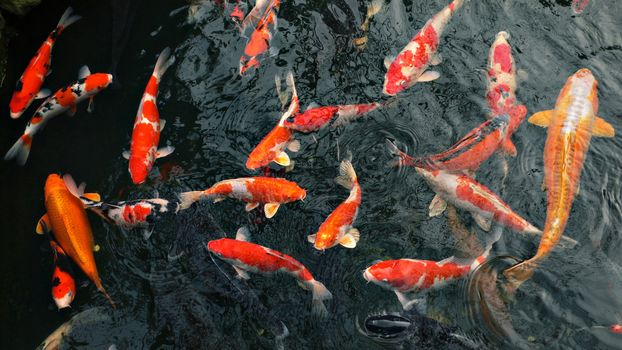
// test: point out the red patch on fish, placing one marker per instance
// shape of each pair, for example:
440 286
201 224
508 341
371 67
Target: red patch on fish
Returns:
503 57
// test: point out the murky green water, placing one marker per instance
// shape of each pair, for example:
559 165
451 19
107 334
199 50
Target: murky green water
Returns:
170 293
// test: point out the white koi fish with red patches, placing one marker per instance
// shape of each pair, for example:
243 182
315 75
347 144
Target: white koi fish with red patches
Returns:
410 65
337 228
270 191
408 276
249 257
501 76
316 118
28 87
147 126
63 100
140 213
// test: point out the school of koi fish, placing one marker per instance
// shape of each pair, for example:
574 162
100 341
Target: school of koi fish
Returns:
449 173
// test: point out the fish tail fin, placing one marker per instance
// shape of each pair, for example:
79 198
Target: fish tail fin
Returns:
400 158
165 60
20 150
67 19
100 287
320 293
186 199
294 104
347 175
520 272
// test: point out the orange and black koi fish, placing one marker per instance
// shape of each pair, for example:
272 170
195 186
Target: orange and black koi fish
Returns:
28 86
63 283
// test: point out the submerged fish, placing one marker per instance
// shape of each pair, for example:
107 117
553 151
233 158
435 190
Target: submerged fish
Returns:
270 191
249 257
473 149
272 147
259 41
337 228
67 220
63 100
63 283
140 213
316 118
147 126
571 125
501 76
28 86
410 65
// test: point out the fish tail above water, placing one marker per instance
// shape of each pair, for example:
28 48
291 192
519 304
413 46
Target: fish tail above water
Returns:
347 175
520 272
67 19
165 60
402 159
20 150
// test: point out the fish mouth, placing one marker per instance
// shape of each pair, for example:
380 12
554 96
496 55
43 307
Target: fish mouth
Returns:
367 275
64 302
15 115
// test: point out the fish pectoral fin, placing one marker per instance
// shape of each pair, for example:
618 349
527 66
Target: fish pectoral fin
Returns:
543 186
350 239
84 72
311 238
355 234
294 146
241 274
72 110
243 234
43 93
428 76
162 123
508 147
388 60
218 199
270 209
290 167
91 106
408 303
251 206
95 197
302 285
126 155
282 159
602 129
542 118
43 225
164 151
436 59
437 206
482 222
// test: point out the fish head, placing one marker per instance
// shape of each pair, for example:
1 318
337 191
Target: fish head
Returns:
63 288
583 80
95 83
20 100
54 183
398 76
219 247
380 273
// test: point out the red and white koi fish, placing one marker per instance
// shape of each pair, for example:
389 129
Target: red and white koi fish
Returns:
501 94
147 126
259 41
410 65
337 228
579 5
249 257
409 276
270 191
473 149
139 213
63 100
316 118
571 126
28 86
272 147
63 283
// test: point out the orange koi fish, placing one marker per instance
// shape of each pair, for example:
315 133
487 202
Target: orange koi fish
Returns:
259 41
337 228
28 86
249 257
63 100
147 126
272 147
316 117
67 220
571 125
270 191
63 283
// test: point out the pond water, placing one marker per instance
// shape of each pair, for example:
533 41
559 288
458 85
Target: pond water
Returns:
171 294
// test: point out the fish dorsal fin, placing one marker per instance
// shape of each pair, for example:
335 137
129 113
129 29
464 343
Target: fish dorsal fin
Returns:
241 274
43 225
542 118
437 206
388 60
428 76
602 129
95 197
270 209
311 238
282 159
243 234
312 105
84 72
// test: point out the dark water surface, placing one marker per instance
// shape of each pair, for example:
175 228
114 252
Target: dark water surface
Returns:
171 294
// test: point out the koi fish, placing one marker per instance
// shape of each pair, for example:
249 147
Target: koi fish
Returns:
410 65
501 94
63 283
337 228
270 191
473 149
259 41
579 5
408 276
67 220
248 257
63 100
372 9
139 213
148 126
571 125
28 87
316 118
272 147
